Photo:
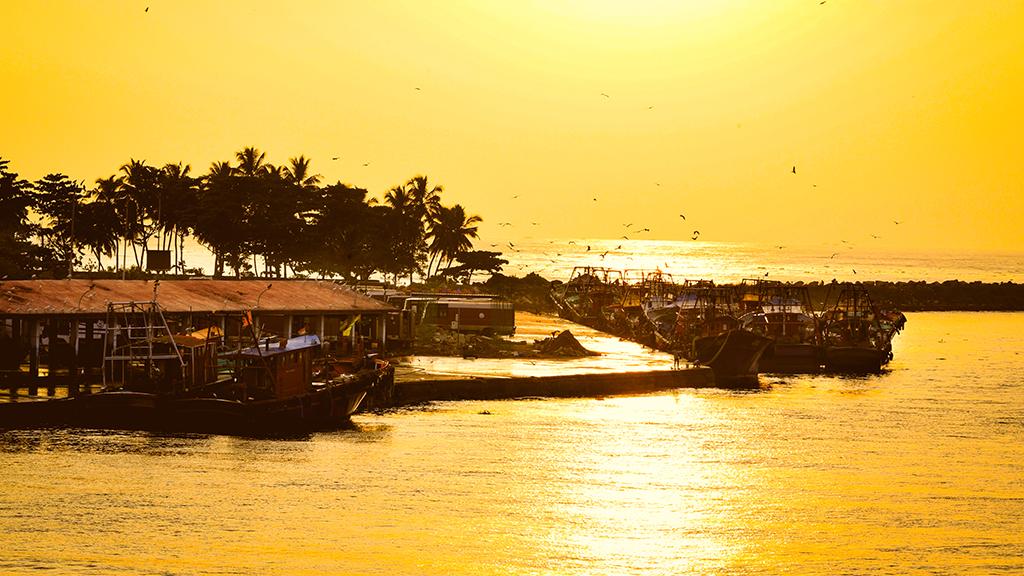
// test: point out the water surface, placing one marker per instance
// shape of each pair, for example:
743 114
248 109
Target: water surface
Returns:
919 470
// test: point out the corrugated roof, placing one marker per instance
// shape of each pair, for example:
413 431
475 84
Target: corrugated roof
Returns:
84 296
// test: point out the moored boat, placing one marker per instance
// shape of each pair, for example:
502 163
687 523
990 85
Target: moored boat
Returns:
707 332
852 334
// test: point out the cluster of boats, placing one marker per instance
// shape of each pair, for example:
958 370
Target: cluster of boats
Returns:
738 331
157 379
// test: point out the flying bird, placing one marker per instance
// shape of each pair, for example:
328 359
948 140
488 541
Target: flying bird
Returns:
854 271
696 234
683 217
605 95
417 88
645 229
511 245
588 248
625 238
516 196
628 225
595 199
335 157
896 222
147 9
572 241
794 169
366 163
619 247
765 274
834 254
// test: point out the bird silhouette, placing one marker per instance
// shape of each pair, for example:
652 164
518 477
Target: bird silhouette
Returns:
765 274
619 247
682 216
516 196
650 107
604 254
147 9
628 225
896 222
335 158
645 229
588 248
834 254
605 95
417 88
572 241
696 234
794 169
511 245
595 199
366 163
533 223
625 238
854 271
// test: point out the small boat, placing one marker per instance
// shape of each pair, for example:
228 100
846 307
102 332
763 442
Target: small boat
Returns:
708 332
853 336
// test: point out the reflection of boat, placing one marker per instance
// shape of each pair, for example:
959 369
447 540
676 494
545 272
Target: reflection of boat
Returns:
852 334
707 332
783 313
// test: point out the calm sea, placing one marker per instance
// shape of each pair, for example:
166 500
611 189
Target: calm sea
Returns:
731 262
916 471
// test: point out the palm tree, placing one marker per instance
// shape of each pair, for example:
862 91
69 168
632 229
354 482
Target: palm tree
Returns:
425 199
142 205
251 162
452 233
297 172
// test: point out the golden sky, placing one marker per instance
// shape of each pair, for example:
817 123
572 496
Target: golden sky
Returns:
890 111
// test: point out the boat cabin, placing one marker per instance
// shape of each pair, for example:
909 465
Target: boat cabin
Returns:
279 368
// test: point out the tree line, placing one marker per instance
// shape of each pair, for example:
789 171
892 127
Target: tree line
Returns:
246 213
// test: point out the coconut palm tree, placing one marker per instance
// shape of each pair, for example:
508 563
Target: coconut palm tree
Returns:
298 172
452 233
251 162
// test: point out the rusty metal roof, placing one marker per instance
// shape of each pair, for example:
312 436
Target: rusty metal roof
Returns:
85 296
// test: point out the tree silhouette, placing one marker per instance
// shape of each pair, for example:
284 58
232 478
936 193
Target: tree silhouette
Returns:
18 256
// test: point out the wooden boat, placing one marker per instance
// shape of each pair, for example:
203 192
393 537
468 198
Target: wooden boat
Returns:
708 332
156 380
276 392
784 313
852 334
587 293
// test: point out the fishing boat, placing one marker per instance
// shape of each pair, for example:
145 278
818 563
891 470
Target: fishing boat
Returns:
784 313
278 390
853 337
708 332
588 291
155 379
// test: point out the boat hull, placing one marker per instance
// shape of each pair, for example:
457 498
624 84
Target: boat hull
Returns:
792 359
854 359
733 355
327 406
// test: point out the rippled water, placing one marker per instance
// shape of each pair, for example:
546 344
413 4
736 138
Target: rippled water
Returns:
920 470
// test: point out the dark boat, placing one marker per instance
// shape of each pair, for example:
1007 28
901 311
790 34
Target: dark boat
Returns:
277 391
853 336
587 293
156 380
783 313
708 332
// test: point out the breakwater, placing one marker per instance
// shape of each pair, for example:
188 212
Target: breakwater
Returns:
561 386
